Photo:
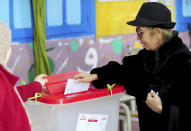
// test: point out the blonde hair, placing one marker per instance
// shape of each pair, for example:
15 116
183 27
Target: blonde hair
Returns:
5 41
166 34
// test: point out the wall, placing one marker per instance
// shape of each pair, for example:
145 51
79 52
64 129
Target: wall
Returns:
76 54
86 52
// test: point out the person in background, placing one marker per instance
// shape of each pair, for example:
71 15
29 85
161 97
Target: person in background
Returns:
158 76
13 115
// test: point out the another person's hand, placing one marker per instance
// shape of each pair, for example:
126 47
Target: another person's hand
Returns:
85 77
40 78
154 102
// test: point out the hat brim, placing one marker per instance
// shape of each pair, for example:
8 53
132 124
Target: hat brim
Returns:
149 23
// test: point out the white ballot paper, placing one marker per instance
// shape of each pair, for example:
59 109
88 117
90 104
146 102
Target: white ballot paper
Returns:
91 122
72 86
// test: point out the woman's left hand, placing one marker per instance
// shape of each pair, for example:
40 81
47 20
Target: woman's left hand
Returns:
154 102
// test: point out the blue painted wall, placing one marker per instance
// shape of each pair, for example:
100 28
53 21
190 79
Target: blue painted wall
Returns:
182 14
64 18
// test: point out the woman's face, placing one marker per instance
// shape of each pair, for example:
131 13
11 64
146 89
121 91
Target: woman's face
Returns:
149 37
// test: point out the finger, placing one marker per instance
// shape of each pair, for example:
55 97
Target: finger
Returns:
85 79
81 80
149 95
82 76
78 76
152 93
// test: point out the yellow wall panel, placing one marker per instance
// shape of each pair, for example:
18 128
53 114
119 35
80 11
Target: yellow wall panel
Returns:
111 17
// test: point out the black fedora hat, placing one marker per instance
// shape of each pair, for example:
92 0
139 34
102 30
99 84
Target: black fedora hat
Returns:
153 14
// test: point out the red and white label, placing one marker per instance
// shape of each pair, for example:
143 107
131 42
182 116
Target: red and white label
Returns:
91 122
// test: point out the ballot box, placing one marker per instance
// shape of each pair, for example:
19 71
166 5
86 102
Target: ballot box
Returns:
92 110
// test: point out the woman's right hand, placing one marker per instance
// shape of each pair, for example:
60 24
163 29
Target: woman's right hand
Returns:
85 77
154 102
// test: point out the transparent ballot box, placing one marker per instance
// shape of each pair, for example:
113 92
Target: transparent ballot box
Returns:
92 110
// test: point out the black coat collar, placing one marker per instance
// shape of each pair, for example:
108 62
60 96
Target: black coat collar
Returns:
155 60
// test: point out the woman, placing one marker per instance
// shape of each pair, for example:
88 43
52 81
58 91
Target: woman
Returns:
13 116
157 76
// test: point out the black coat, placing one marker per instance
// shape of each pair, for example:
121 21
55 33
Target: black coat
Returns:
166 71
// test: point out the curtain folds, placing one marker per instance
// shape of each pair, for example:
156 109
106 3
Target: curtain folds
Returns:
41 63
